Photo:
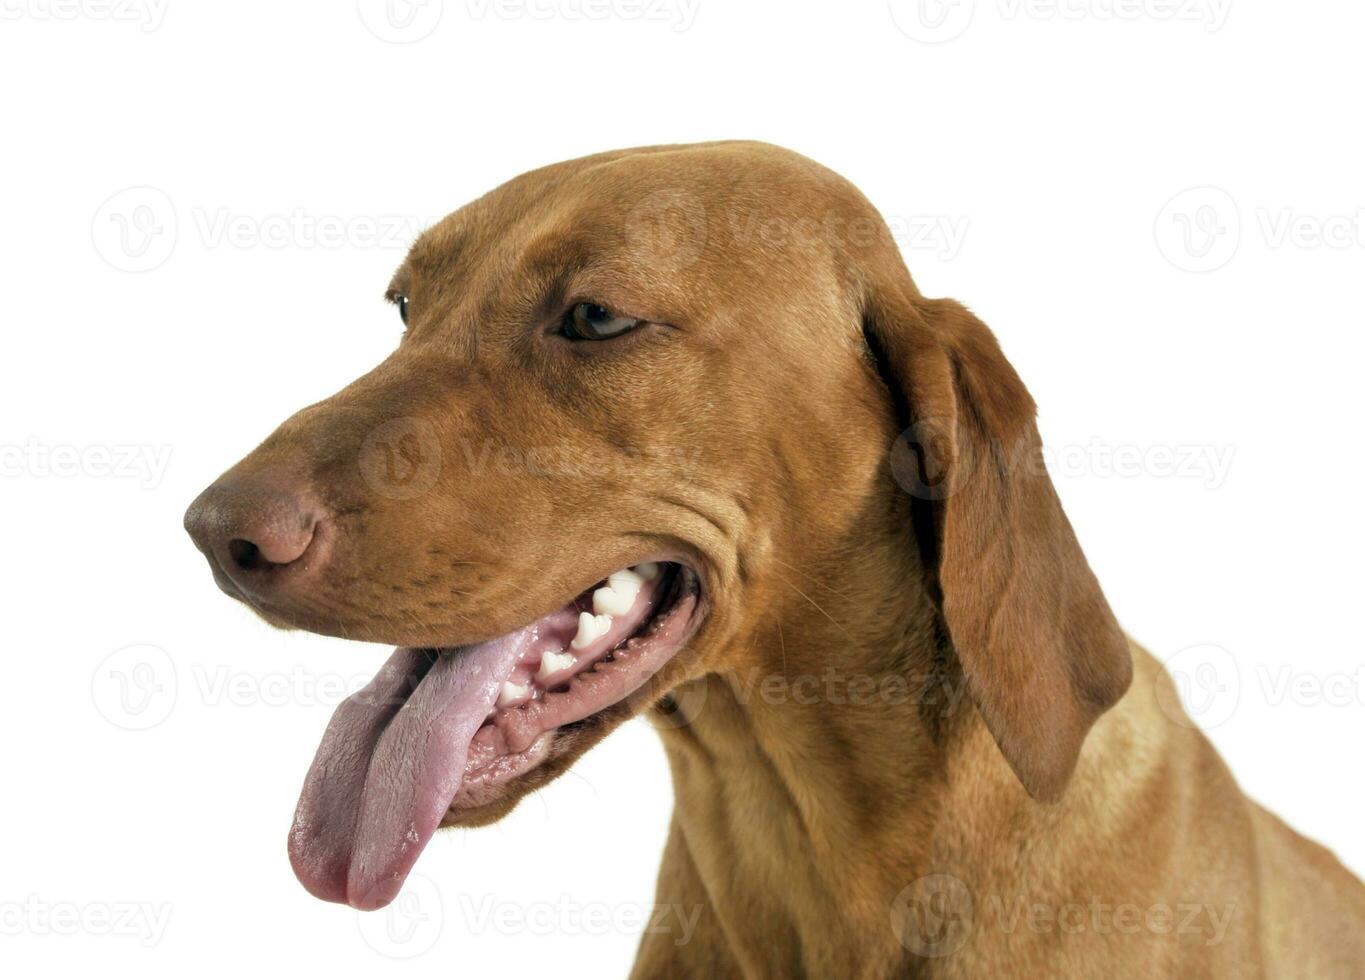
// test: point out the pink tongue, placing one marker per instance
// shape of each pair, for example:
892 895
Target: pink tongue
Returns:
390 763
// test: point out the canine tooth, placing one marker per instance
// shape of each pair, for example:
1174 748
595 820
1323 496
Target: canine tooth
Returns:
590 628
612 601
553 663
625 583
510 692
647 571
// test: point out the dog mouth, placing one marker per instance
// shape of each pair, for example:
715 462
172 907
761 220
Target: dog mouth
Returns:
444 730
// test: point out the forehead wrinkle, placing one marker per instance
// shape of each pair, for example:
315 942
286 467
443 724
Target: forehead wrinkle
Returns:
499 295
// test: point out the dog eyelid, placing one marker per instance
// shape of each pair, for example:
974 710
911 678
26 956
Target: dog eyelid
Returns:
588 321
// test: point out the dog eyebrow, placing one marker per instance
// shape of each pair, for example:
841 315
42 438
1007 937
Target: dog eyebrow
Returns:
400 282
550 266
554 260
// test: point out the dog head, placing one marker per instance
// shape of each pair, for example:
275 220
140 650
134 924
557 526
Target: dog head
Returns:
637 395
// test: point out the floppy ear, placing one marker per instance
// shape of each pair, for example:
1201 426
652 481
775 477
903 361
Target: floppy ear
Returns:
1041 652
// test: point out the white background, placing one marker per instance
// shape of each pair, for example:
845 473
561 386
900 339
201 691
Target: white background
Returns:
1039 164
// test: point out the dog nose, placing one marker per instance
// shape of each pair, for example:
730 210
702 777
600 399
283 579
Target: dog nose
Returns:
251 531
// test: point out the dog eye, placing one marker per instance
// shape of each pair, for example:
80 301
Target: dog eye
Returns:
402 302
588 321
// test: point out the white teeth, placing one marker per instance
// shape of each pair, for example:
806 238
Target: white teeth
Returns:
553 663
613 602
626 578
510 692
647 571
618 596
590 628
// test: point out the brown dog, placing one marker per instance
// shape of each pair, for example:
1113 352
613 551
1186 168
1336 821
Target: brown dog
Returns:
672 430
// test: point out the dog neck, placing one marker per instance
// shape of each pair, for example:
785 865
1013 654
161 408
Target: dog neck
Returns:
812 784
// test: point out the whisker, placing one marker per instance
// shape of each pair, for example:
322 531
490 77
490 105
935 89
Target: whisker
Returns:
811 578
819 608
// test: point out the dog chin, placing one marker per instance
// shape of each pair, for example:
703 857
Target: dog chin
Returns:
484 801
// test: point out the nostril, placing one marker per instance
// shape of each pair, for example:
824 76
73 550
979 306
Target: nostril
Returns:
274 551
252 532
245 555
